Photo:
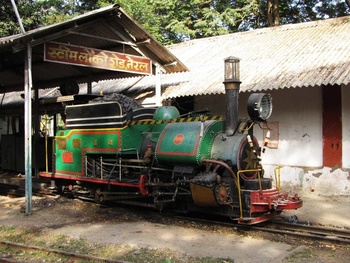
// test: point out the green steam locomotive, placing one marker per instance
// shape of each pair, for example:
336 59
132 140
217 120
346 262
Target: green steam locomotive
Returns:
156 158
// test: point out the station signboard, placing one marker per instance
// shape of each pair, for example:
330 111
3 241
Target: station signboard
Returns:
96 58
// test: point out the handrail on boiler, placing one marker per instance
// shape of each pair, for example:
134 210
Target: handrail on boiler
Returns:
277 172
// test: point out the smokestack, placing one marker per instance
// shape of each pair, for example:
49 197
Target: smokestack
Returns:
232 84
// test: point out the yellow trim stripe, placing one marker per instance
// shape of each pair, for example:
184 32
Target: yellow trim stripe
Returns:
141 122
89 130
191 119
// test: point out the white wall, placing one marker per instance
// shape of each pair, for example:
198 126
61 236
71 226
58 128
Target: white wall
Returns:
299 114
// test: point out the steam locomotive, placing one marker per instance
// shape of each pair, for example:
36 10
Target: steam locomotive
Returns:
156 158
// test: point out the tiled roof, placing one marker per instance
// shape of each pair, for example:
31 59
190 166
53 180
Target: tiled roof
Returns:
290 56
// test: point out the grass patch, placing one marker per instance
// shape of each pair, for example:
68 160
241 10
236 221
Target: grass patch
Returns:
306 254
46 240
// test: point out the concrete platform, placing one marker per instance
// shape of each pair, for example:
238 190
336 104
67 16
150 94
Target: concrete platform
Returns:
323 210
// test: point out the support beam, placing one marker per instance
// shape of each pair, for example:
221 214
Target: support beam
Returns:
28 129
158 86
27 117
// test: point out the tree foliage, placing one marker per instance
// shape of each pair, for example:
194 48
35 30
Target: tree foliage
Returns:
188 19
173 21
30 14
295 11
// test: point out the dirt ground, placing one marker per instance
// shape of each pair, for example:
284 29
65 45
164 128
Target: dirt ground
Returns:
124 226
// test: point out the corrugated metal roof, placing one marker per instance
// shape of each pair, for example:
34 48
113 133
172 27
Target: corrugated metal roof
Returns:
290 56
108 28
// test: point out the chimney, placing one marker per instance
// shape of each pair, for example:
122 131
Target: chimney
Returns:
232 84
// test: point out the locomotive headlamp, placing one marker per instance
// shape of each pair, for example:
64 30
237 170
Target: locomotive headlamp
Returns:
259 106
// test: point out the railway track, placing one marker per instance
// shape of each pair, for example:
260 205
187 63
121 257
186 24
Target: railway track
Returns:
13 190
336 236
323 234
70 256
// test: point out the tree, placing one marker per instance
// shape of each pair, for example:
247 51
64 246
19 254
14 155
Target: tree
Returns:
30 16
188 19
173 21
294 11
329 9
273 13
181 20
55 11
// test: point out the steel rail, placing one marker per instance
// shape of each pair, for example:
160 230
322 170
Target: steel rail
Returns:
71 255
330 234
13 190
326 234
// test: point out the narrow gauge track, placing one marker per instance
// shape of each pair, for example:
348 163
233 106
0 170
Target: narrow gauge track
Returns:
324 234
13 190
70 255
336 236
16 191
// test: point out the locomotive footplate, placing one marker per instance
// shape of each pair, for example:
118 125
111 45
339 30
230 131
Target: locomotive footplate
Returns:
139 185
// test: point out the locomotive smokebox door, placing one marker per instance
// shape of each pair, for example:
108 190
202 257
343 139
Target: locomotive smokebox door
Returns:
237 151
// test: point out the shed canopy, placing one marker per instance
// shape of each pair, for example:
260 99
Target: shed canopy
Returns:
301 55
109 28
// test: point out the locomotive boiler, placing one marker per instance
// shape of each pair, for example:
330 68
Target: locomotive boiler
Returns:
156 158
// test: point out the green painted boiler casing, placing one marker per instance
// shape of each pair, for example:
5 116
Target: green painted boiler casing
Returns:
187 143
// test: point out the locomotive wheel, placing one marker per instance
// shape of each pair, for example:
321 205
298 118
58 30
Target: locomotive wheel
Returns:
59 188
99 198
